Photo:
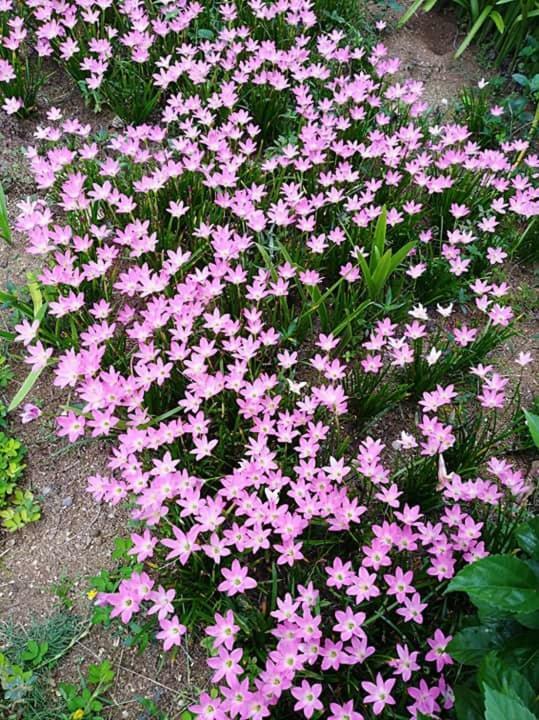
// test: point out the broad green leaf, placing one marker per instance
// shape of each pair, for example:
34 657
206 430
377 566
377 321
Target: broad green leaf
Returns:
532 421
24 389
502 581
527 536
205 34
529 620
501 676
470 644
520 79
502 707
468 703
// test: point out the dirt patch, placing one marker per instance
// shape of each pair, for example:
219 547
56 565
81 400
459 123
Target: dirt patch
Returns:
426 46
75 536
172 684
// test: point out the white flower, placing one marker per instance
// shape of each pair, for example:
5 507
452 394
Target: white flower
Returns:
445 312
296 387
405 442
419 312
433 356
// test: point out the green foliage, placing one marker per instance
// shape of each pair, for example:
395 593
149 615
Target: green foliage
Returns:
532 421
23 509
382 263
499 581
5 231
28 657
474 108
6 374
18 507
501 642
85 700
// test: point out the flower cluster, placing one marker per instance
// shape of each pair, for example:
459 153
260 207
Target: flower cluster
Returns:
20 67
224 307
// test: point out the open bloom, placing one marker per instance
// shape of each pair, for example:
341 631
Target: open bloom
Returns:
379 693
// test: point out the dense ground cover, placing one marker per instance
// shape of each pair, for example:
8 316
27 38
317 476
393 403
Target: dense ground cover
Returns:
281 247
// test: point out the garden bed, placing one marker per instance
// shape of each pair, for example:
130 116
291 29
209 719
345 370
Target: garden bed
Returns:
51 565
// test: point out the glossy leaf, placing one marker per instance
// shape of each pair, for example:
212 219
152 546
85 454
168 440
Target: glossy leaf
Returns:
502 581
502 707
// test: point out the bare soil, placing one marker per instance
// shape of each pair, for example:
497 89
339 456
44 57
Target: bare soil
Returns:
426 46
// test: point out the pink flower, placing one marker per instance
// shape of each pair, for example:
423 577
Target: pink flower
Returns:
344 712
71 425
182 545
524 358
437 653
12 105
379 693
226 665
307 698
224 631
171 632
236 580
29 413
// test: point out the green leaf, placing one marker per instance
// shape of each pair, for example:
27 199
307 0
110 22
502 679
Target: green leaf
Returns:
502 581
379 240
101 674
35 294
529 620
527 536
400 255
502 707
350 318
367 278
205 34
474 30
532 421
381 273
470 644
500 676
498 21
468 704
414 7
5 232
25 388
520 79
